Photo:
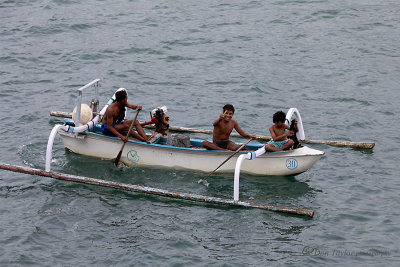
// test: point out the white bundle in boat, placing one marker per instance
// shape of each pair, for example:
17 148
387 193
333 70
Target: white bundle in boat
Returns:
86 115
179 140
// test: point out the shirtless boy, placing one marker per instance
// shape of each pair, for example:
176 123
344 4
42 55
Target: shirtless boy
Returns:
279 135
223 127
113 120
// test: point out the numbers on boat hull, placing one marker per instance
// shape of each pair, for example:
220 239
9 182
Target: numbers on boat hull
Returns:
291 163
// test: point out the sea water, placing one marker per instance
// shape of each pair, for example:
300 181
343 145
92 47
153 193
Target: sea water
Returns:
337 62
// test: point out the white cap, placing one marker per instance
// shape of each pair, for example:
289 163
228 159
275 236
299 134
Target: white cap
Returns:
122 89
163 108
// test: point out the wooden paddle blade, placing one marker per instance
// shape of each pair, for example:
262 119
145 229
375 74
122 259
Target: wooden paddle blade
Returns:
118 158
127 135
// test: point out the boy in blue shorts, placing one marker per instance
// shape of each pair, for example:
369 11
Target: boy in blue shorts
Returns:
114 123
279 135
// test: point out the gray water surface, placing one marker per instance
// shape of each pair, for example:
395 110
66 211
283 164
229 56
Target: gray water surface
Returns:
336 61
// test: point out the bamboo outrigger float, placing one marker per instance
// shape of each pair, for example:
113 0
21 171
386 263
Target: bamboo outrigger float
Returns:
154 191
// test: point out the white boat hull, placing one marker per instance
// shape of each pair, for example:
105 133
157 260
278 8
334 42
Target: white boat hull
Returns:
136 153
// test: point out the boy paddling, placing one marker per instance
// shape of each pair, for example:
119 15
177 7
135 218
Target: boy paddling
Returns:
223 127
113 122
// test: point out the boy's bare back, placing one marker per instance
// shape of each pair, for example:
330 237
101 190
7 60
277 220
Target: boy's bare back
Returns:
112 113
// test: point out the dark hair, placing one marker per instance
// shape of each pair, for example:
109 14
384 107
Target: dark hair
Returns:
279 116
120 95
229 107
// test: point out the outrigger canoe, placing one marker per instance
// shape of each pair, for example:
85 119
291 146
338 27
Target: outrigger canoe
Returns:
136 153
88 140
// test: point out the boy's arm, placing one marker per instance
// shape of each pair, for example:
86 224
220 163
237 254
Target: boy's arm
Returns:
217 121
133 106
241 132
281 137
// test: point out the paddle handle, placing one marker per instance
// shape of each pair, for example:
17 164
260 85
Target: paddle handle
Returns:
127 135
133 122
237 150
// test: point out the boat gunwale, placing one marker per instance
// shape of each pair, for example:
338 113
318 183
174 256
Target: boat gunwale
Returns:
278 154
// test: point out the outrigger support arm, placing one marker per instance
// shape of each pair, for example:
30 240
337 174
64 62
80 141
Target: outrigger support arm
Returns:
81 128
249 156
72 129
259 152
65 128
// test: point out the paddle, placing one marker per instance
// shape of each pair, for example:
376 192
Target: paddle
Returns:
122 148
204 181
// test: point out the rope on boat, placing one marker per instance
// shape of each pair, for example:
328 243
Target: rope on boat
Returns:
363 145
154 191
